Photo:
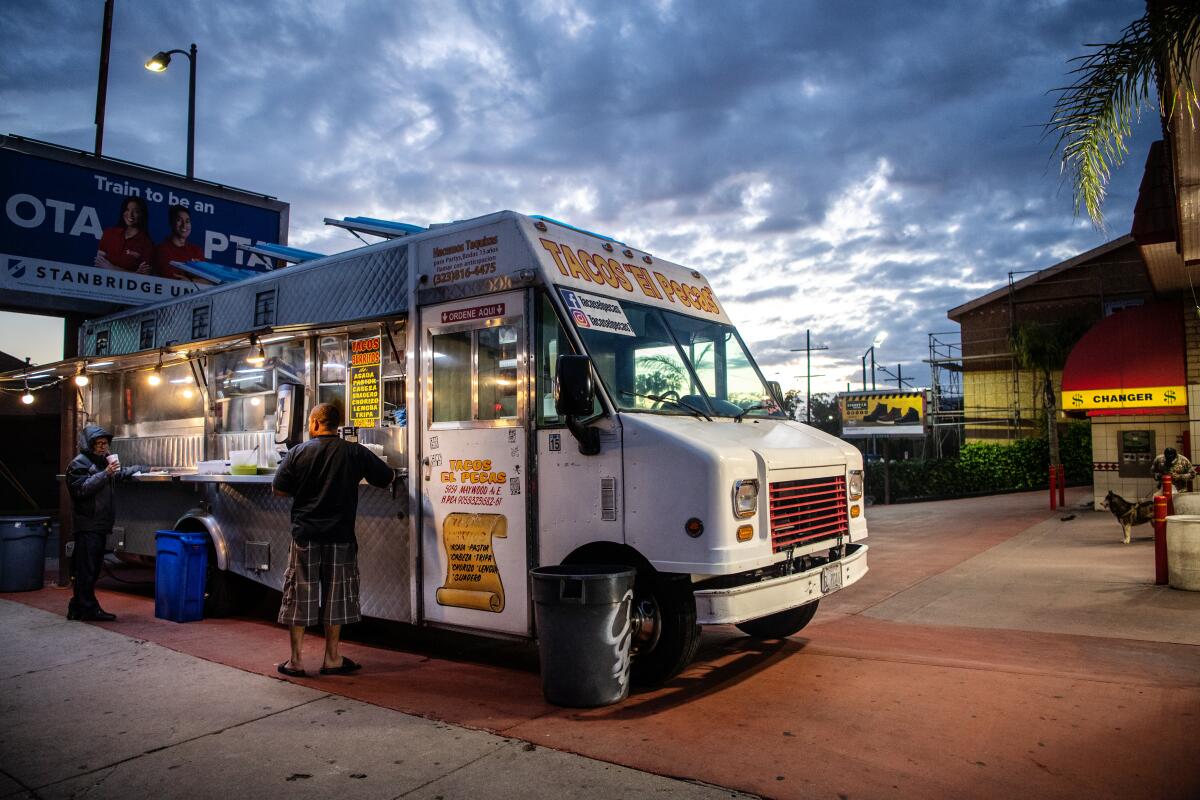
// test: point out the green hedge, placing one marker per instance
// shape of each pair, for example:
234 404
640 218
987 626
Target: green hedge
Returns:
983 468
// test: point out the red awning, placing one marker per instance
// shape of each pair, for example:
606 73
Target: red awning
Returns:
1130 362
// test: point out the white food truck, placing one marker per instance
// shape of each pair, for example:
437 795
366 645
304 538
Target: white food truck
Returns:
546 395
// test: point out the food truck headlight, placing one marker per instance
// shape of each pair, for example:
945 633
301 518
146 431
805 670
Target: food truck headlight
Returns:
856 484
745 498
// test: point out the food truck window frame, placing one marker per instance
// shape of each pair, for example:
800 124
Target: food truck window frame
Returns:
515 322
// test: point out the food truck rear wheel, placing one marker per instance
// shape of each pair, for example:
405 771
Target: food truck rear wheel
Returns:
666 639
780 625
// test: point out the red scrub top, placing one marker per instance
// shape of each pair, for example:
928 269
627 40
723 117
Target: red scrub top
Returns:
124 253
168 252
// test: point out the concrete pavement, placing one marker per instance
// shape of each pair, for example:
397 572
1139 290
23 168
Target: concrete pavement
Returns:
89 712
995 649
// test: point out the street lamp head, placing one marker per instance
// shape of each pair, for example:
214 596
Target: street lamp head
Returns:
159 62
879 337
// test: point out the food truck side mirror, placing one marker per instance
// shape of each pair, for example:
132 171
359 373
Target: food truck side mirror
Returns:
289 414
574 396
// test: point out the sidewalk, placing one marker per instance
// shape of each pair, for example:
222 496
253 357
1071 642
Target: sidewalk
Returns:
91 712
995 649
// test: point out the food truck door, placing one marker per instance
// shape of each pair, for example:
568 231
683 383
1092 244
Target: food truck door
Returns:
474 418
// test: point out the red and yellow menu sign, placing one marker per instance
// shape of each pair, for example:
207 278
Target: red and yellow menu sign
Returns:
364 375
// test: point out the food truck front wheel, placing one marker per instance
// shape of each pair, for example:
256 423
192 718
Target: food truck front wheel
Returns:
780 625
665 633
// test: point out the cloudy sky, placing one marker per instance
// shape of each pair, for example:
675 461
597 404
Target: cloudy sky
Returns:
848 167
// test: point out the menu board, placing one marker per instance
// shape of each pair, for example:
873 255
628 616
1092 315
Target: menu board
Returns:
364 376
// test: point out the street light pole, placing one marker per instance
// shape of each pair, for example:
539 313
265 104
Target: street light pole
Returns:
159 63
191 153
808 348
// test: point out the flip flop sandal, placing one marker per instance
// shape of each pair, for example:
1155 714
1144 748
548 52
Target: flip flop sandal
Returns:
346 667
291 672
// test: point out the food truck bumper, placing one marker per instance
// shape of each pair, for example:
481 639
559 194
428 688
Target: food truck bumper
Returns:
731 605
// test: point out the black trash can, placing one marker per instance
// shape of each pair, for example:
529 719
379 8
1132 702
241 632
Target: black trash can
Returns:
23 553
582 615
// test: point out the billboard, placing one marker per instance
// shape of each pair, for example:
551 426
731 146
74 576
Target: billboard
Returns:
63 209
882 413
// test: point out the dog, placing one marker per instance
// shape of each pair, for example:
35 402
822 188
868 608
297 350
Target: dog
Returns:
1127 513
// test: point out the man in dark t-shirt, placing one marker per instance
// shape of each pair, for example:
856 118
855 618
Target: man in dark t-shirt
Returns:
321 584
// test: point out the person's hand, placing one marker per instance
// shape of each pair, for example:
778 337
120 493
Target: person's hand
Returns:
102 261
113 468
144 268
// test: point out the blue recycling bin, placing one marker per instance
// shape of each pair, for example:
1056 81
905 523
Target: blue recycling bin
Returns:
23 553
181 562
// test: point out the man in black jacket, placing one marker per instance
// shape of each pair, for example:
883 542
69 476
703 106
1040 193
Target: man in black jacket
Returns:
90 479
321 582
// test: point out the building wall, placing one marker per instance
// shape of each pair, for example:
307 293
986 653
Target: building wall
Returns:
1168 432
1081 292
990 401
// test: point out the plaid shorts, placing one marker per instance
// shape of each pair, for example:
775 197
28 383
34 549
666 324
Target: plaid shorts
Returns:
321 585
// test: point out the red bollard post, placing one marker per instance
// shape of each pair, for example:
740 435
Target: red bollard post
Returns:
1053 496
1062 486
1160 539
1168 492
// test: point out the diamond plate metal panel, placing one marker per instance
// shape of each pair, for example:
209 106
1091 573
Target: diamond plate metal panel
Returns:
250 513
359 284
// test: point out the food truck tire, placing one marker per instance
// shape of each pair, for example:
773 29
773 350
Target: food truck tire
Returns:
780 625
669 602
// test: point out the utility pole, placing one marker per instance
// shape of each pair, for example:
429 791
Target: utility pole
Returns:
102 80
898 376
808 348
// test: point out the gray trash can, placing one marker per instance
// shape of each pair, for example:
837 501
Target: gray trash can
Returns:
23 553
582 615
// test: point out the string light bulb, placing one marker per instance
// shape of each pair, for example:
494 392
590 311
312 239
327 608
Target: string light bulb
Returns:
258 356
155 377
27 398
81 378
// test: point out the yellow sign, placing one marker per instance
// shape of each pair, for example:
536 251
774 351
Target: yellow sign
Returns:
1142 397
364 382
472 578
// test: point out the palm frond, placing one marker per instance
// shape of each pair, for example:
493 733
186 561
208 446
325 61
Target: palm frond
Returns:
1094 115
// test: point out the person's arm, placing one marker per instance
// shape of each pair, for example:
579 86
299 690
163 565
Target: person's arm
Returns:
82 482
129 472
284 483
376 472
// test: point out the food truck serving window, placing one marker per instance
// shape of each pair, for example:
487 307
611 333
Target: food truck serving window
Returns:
475 375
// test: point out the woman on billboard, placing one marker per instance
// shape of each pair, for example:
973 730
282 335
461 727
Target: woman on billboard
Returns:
127 246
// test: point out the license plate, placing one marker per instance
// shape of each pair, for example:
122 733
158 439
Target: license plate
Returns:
831 578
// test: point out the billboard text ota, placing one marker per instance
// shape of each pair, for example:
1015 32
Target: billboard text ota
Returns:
882 413
56 206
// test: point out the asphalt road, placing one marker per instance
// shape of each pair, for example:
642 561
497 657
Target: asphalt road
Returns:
994 649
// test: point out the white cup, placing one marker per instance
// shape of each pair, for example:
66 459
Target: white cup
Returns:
113 458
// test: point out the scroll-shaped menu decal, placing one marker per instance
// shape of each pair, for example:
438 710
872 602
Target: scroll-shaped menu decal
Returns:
472 579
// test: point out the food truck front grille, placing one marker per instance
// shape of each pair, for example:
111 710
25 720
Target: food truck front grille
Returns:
807 511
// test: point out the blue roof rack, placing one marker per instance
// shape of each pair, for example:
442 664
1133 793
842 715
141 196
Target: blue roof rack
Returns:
214 273
293 255
581 230
386 228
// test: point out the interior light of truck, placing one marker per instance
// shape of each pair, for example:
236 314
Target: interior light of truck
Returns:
745 498
188 394
103 363
256 401
856 484
854 512
745 533
693 527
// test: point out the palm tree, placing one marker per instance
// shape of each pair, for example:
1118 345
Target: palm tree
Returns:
1095 114
1044 349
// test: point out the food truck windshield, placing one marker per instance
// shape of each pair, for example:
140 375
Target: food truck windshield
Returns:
660 361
